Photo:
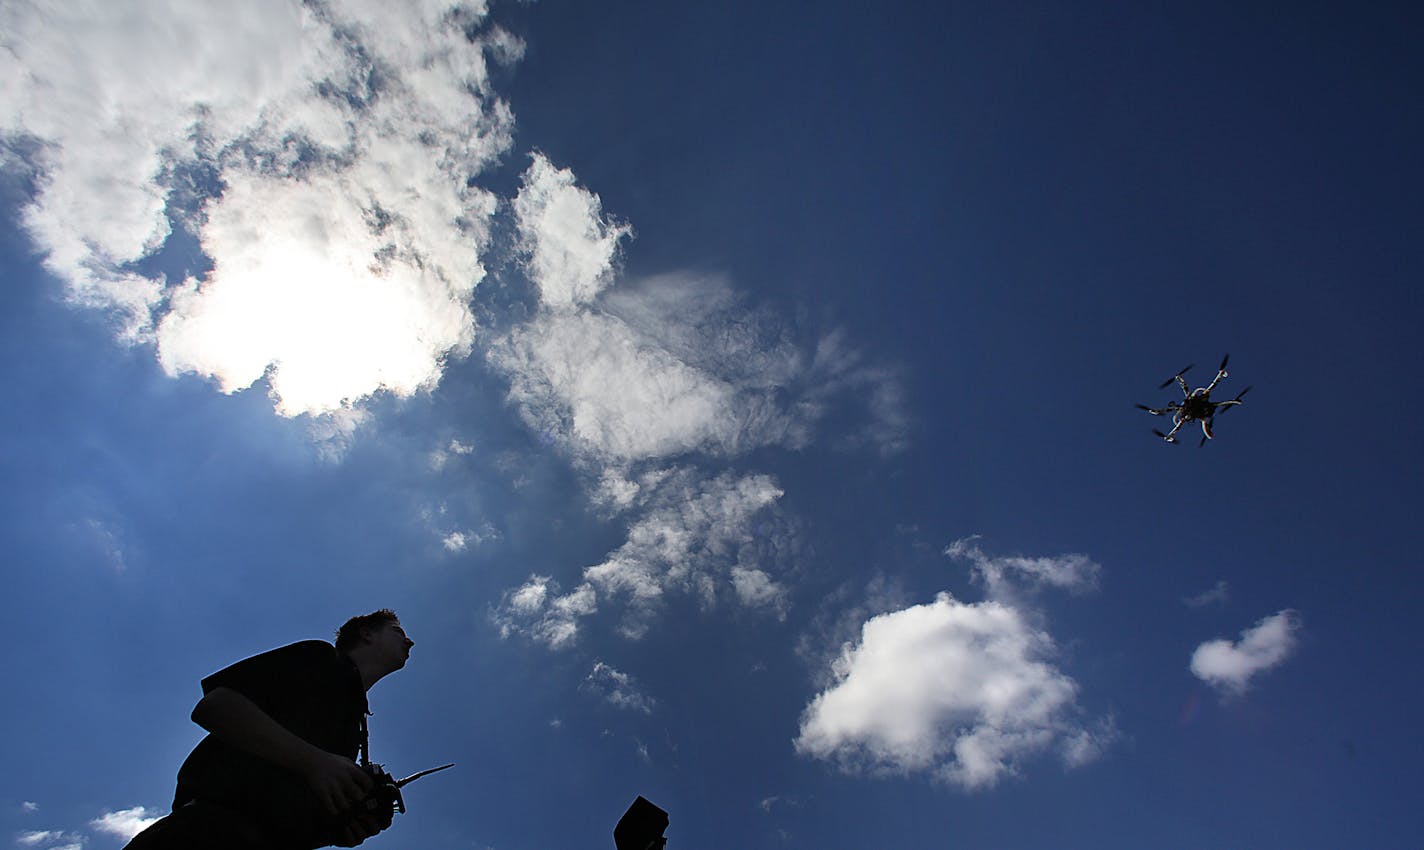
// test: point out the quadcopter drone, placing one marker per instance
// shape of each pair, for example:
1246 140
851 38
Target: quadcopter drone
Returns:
1195 406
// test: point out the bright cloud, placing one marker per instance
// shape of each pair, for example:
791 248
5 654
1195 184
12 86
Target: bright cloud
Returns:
569 246
336 203
1229 667
965 692
125 823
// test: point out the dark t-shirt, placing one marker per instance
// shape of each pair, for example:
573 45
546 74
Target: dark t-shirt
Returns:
311 690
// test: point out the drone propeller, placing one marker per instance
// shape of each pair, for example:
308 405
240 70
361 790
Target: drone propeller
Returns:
1150 410
1228 405
1184 371
1164 436
1222 367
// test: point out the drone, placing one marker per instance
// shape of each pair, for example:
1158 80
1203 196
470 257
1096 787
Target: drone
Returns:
1196 404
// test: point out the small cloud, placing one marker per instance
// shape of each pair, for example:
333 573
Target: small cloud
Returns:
125 823
1003 575
455 541
28 806
617 688
1217 595
442 456
778 802
1229 667
755 589
537 610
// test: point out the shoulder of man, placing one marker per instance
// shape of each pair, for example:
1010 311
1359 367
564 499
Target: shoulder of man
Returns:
282 662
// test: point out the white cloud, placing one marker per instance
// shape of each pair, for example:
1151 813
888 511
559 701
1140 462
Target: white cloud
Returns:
29 806
704 537
965 692
336 202
617 688
569 246
1229 667
36 837
125 823
1003 575
455 542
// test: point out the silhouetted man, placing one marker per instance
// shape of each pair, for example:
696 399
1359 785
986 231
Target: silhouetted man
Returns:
277 770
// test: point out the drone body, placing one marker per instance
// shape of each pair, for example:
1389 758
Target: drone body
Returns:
1196 404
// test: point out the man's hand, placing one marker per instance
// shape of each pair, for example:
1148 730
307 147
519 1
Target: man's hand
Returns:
361 827
337 782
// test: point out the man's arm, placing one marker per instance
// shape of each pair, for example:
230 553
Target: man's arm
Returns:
239 722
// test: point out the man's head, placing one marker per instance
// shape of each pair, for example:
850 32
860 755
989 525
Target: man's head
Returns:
359 630
376 643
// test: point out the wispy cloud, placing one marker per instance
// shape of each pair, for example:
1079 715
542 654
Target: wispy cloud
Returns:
50 839
1003 574
617 688
537 609
1230 667
712 538
1217 595
678 364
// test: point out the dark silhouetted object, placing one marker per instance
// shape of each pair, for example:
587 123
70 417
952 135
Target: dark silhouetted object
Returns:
641 827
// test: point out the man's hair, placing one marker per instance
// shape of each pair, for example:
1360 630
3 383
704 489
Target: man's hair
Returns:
349 636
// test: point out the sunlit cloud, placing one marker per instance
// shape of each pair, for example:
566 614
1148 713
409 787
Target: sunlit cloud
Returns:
1229 667
569 246
966 692
323 156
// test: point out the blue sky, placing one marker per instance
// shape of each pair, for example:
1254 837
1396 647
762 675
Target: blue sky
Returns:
736 404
